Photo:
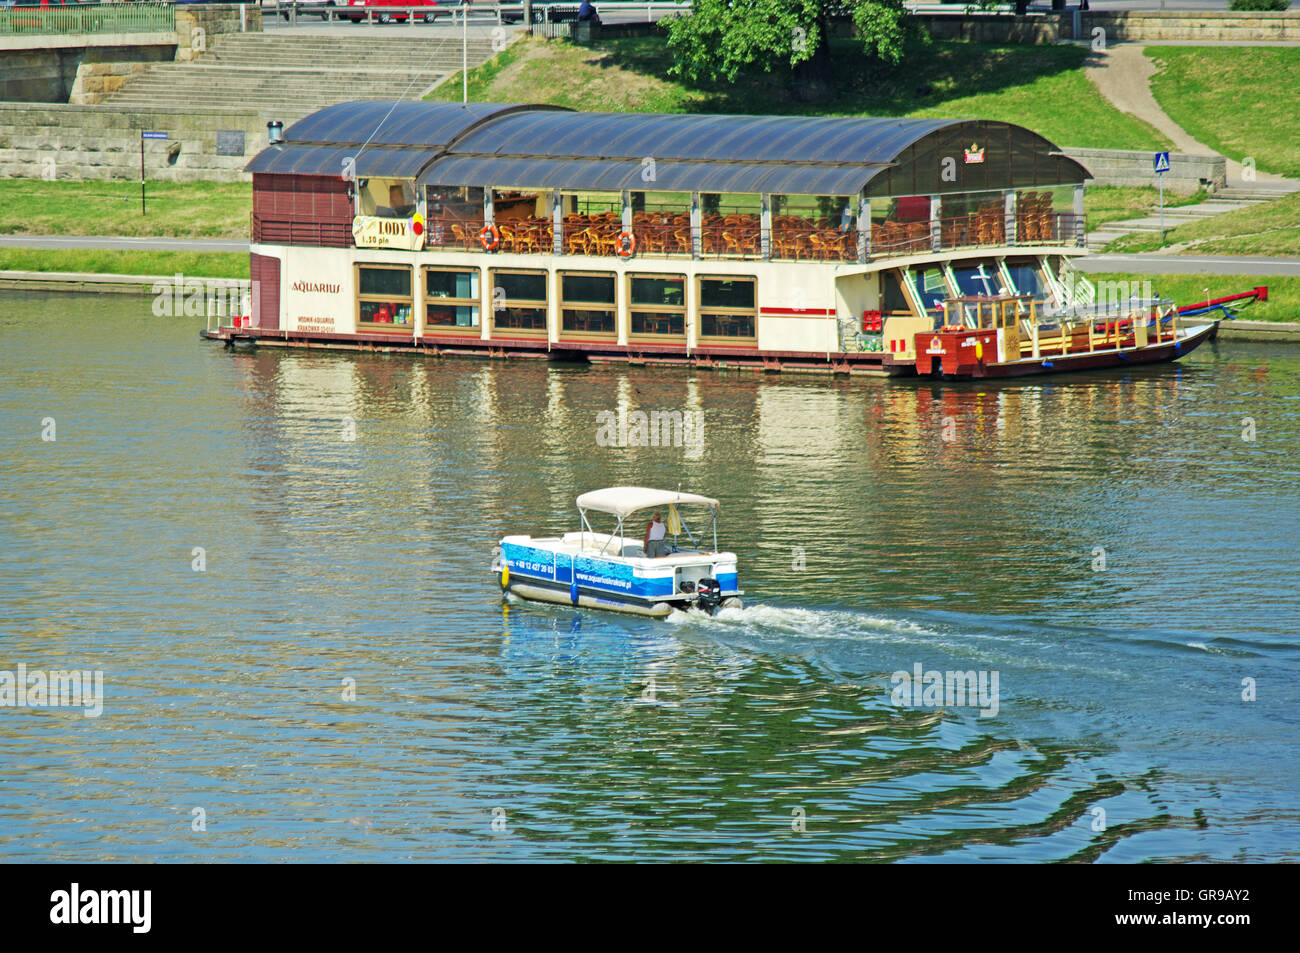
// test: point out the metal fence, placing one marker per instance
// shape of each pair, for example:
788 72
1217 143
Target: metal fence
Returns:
549 17
132 17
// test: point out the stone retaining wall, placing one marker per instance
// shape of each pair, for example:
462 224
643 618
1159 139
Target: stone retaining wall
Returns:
196 22
55 75
1129 167
1139 26
57 141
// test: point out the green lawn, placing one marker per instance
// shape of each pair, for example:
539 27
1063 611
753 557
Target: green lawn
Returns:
105 262
1041 87
1269 228
1283 302
174 209
1240 100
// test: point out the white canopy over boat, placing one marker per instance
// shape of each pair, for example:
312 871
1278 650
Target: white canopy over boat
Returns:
622 501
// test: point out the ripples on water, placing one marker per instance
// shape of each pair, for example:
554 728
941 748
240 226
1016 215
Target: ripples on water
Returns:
599 736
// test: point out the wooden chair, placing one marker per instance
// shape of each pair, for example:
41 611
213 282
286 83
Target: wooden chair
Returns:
577 242
526 239
462 238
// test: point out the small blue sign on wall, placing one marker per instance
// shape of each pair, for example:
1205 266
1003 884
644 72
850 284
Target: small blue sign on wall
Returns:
153 135
1162 161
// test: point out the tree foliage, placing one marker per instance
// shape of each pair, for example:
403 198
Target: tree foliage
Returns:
722 38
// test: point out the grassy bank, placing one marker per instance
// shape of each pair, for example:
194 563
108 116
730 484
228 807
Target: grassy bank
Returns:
175 209
1042 87
1270 228
106 262
1238 100
1283 302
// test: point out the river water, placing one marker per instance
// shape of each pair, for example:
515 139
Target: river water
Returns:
1111 546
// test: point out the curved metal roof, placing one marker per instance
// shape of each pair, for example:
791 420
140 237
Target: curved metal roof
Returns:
384 122
311 159
821 139
549 147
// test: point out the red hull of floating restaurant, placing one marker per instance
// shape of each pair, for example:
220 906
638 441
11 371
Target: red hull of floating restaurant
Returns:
775 242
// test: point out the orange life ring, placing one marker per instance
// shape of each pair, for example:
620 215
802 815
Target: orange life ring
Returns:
626 244
489 237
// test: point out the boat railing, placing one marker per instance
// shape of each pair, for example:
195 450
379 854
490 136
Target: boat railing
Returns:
1138 323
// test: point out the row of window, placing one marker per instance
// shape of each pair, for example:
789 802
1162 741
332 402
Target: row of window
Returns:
934 283
520 300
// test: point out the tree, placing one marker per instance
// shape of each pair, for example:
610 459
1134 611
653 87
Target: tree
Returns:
722 38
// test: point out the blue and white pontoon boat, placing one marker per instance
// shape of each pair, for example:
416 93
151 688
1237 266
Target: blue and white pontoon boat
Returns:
611 571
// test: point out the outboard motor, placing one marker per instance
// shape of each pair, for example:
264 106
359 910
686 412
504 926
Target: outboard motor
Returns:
708 595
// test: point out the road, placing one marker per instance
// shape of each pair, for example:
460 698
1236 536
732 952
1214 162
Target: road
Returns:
1163 264
109 243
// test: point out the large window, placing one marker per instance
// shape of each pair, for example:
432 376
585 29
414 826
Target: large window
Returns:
587 303
454 216
388 198
931 289
1027 276
384 298
451 300
523 218
728 309
519 302
977 278
658 306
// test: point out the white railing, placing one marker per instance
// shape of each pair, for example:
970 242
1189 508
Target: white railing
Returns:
546 12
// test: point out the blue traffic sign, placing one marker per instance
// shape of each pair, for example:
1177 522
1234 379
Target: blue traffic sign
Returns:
153 135
1162 161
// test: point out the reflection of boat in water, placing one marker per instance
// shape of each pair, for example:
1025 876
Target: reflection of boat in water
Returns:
608 571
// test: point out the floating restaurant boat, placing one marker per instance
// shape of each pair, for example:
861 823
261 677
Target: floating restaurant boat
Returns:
832 244
597 570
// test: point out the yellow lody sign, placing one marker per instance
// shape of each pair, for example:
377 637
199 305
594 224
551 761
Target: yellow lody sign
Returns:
371 231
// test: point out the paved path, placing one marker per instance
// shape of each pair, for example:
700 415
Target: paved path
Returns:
1122 72
124 244
1158 263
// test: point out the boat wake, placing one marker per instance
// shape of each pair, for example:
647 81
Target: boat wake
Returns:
769 620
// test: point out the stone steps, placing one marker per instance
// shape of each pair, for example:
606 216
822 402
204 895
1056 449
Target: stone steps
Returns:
299 73
1224 200
1245 194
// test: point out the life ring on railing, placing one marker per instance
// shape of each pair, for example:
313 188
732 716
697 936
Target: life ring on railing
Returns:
626 244
489 237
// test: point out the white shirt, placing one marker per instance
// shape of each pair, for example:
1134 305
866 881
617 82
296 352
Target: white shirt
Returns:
658 530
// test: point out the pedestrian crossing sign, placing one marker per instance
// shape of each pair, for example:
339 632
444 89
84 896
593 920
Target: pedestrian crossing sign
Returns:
1162 161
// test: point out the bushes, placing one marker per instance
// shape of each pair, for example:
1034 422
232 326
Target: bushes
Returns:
1259 4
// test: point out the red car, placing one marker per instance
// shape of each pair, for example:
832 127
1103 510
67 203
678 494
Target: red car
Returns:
356 10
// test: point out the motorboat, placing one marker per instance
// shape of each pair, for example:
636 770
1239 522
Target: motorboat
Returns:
594 569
